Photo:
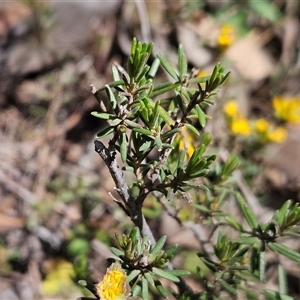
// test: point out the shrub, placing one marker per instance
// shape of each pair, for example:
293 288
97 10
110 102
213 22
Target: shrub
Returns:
147 122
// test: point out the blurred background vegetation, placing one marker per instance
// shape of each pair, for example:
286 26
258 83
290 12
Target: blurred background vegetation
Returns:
57 219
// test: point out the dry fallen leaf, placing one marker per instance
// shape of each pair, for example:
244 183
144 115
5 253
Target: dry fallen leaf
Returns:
250 59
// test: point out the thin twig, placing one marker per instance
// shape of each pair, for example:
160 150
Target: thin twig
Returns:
130 205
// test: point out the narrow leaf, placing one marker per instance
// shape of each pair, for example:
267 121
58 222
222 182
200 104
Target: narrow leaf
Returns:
286 251
248 214
111 96
149 278
116 251
162 88
123 146
166 65
145 289
115 73
159 245
192 128
262 266
106 131
165 116
234 223
171 250
146 146
182 63
199 79
154 67
165 274
282 280
179 273
103 116
133 274
246 240
143 131
227 287
161 289
201 116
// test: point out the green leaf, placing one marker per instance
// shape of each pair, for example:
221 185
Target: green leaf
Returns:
154 67
192 128
206 139
170 133
130 124
262 266
231 165
273 295
248 214
145 289
103 116
142 64
165 116
159 245
141 80
136 290
181 160
166 65
179 273
231 221
135 234
196 157
146 146
280 214
248 240
240 252
115 73
162 88
160 288
282 280
165 274
213 266
142 131
201 115
116 251
202 208
199 79
106 131
171 250
123 146
227 287
114 122
133 274
284 250
149 278
111 84
111 96
182 63
128 168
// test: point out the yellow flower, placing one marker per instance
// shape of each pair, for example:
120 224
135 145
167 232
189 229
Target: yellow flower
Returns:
231 109
241 126
287 108
114 285
277 135
202 73
186 139
261 125
227 35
